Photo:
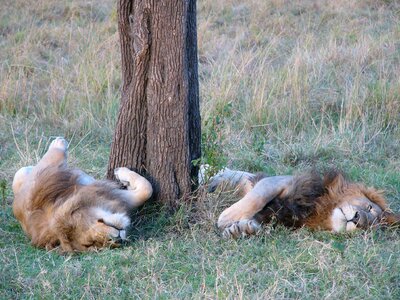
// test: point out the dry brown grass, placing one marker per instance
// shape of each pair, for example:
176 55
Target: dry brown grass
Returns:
314 74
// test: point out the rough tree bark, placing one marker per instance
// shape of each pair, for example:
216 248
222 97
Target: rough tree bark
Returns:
158 127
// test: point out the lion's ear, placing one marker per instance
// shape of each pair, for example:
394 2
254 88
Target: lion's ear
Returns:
390 219
334 181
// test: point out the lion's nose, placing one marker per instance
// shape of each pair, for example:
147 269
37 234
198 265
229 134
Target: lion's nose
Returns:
117 236
120 238
122 234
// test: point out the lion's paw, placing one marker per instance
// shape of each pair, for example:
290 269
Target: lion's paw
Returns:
241 228
59 143
122 174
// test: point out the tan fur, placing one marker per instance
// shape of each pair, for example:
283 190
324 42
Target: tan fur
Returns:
58 206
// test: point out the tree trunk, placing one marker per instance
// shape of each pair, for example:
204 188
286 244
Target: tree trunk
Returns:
158 127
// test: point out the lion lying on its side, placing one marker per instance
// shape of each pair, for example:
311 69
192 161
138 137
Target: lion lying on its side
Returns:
330 203
59 206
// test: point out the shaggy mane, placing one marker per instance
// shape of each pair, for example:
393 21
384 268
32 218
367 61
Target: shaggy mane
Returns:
52 185
299 202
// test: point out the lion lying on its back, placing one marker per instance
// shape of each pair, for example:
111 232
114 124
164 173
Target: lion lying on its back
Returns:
59 206
329 203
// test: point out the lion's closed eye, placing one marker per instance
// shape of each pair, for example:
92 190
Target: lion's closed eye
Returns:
109 224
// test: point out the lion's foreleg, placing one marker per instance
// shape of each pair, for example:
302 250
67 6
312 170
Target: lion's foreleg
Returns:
139 188
20 178
241 228
254 201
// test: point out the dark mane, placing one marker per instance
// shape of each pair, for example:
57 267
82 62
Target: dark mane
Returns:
299 203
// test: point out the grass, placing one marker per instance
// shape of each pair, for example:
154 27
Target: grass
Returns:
285 85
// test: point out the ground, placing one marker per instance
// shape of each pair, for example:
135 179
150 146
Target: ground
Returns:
285 86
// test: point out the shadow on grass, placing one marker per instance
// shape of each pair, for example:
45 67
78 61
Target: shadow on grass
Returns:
155 220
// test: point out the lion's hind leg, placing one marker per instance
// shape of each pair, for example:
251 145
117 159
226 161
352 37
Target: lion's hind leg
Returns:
55 156
20 178
139 188
227 178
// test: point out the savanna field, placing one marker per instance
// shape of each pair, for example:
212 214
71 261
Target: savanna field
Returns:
285 86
